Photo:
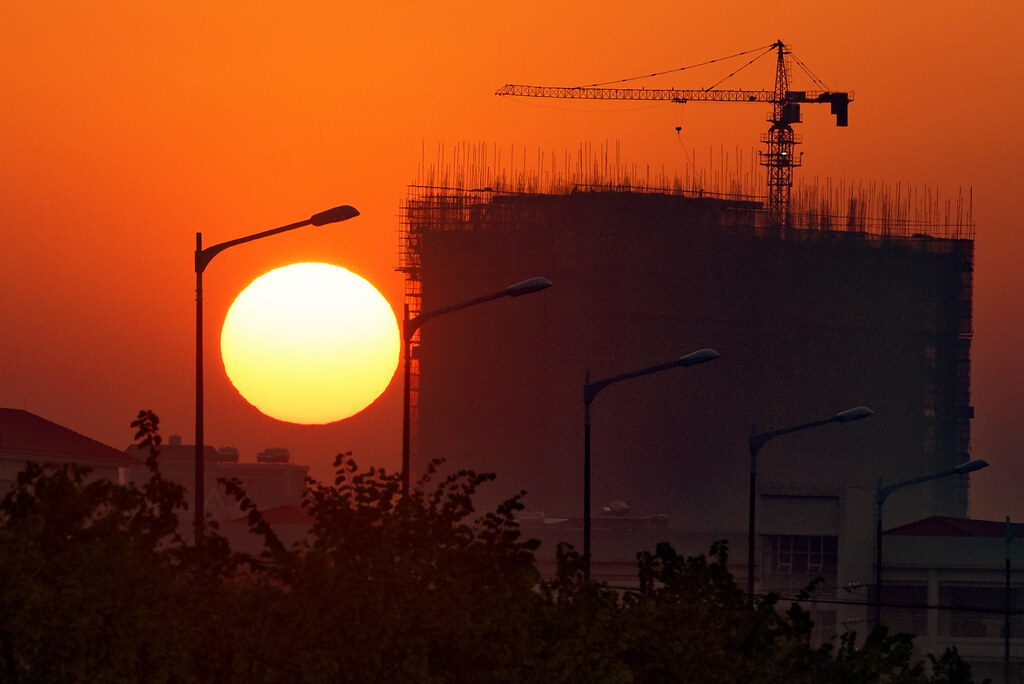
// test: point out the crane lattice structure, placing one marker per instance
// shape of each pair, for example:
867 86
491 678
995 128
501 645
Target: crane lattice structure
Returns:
780 140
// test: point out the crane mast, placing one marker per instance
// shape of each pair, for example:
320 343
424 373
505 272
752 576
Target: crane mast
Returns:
780 141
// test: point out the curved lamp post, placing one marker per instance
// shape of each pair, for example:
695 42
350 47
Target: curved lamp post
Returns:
409 328
202 260
590 390
759 440
882 494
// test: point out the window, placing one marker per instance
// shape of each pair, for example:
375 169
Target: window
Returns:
904 608
976 612
791 562
929 400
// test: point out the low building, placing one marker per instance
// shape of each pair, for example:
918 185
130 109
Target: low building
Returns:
26 437
290 523
272 482
956 582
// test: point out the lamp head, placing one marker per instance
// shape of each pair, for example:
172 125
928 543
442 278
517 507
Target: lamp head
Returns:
702 356
970 466
854 414
528 286
342 213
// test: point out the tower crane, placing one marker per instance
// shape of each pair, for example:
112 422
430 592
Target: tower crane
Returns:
780 140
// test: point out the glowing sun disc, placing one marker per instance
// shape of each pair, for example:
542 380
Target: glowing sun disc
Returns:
310 343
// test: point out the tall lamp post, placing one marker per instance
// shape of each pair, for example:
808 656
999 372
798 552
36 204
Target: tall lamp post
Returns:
882 494
590 390
202 260
1010 531
409 328
759 440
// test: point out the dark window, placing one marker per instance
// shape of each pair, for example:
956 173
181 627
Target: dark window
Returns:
976 612
904 608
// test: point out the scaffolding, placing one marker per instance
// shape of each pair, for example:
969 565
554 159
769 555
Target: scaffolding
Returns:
474 187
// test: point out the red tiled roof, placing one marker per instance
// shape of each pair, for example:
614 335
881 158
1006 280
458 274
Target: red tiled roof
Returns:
26 435
938 526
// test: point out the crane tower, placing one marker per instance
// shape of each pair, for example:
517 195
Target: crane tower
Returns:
780 140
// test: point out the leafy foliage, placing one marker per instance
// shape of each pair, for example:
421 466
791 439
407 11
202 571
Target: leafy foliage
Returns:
97 585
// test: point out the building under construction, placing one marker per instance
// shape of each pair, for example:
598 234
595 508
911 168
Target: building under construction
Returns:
862 298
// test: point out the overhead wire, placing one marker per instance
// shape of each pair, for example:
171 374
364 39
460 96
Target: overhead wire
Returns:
671 71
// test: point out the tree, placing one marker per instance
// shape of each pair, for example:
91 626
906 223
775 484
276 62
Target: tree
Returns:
96 584
405 589
79 560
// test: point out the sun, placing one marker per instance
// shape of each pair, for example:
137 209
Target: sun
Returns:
310 343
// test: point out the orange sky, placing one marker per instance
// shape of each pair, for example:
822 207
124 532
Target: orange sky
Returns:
128 127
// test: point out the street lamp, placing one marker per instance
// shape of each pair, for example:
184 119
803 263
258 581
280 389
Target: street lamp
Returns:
202 260
882 494
409 328
759 440
1010 531
590 390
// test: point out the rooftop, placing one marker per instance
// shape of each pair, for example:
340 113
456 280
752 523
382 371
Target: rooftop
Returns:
938 526
26 435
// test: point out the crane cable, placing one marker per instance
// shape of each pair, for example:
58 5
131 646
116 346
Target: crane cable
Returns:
692 66
721 81
817 81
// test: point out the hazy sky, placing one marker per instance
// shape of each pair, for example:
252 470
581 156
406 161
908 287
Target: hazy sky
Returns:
129 126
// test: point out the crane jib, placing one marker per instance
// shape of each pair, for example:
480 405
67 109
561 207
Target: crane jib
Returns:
839 101
780 157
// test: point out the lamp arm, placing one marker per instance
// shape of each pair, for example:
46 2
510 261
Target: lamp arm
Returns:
205 256
758 441
411 325
884 492
590 391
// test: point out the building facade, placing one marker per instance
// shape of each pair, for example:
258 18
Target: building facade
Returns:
957 582
829 313
808 322
270 482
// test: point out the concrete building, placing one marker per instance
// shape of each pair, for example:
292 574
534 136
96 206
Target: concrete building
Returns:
271 482
27 437
957 582
808 322
867 306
